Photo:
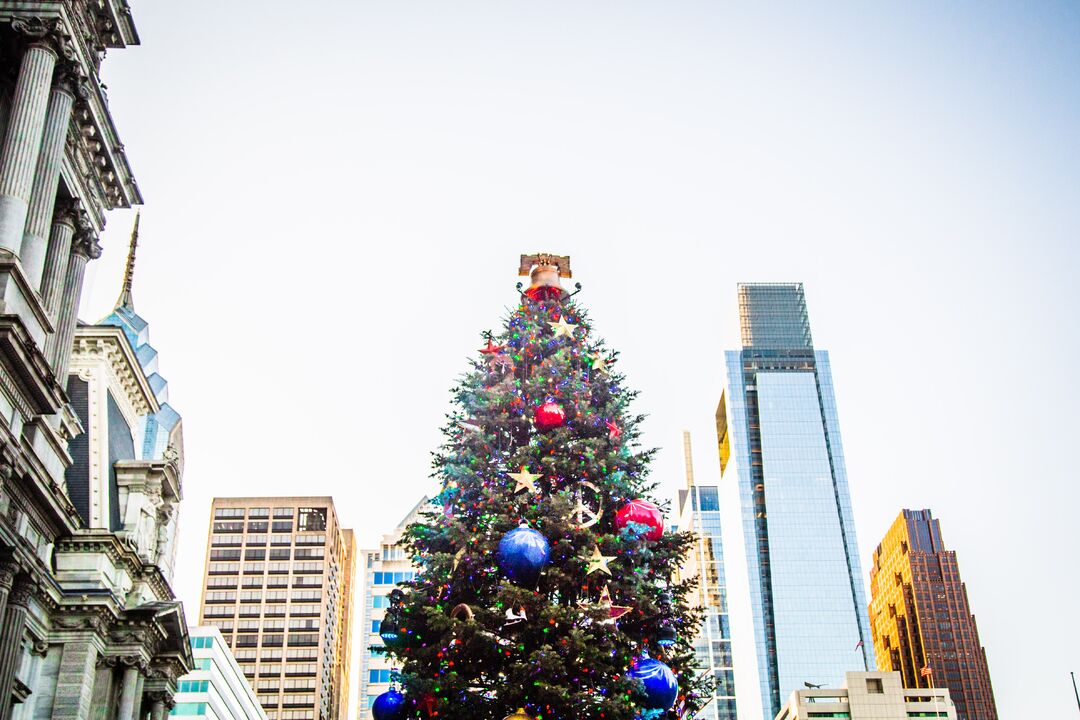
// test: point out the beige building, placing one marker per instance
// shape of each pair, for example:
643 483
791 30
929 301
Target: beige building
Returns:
279 581
869 696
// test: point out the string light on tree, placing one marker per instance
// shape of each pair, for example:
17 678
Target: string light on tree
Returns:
511 612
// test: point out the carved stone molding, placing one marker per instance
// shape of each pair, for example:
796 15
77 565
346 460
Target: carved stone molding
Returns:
86 244
46 32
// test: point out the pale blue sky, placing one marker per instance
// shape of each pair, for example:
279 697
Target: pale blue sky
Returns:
337 194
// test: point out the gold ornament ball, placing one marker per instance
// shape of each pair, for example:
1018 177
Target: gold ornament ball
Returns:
518 714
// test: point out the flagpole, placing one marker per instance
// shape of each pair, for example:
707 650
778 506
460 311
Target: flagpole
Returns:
1075 691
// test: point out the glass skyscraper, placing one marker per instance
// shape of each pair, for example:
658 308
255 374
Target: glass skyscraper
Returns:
779 435
699 513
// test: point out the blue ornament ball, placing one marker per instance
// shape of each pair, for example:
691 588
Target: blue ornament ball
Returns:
389 706
661 687
523 553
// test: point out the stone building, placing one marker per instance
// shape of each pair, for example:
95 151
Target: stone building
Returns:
90 472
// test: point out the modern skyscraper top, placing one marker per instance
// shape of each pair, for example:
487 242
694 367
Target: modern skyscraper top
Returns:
772 316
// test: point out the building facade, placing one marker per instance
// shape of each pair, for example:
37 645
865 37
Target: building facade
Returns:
699 513
215 689
88 621
779 438
279 583
922 624
383 569
868 696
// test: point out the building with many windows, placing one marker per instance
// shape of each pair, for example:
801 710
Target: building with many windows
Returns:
868 696
779 439
699 513
383 569
922 624
279 580
216 688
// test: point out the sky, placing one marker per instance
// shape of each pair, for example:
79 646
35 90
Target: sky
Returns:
337 196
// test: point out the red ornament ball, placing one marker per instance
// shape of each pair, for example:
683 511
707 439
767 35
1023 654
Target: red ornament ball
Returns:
549 416
642 512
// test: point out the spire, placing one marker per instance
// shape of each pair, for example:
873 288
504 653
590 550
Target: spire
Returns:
125 301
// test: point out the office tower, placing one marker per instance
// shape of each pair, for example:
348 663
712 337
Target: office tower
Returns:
384 569
779 437
868 696
921 622
699 513
279 579
216 688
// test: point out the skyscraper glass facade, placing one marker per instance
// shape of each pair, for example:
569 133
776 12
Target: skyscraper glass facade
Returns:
778 433
699 513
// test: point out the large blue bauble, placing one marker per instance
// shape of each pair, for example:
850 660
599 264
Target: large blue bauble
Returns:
389 706
661 687
523 553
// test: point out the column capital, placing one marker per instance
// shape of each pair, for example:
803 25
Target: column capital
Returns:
47 33
21 591
9 566
86 244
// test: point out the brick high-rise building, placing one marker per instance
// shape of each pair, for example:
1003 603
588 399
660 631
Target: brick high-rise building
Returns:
279 581
920 616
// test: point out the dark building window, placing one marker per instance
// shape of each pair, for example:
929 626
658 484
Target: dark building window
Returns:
121 447
312 519
78 475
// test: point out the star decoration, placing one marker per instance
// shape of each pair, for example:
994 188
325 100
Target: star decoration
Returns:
614 611
525 480
614 431
563 328
492 348
599 562
598 363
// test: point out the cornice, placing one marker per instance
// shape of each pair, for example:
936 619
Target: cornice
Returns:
108 344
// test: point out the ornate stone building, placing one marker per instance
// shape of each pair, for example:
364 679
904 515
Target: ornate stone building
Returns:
90 471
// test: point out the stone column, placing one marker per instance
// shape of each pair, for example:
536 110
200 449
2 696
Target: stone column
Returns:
11 633
56 261
129 692
46 180
58 348
8 568
75 683
157 710
22 141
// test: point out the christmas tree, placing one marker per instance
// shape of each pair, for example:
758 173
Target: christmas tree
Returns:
545 580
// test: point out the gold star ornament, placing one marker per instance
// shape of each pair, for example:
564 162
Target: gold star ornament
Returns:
525 480
599 364
598 562
563 328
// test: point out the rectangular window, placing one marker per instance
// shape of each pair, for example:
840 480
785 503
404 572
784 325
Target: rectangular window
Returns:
874 686
312 519
378 676
192 686
188 709
202 642
375 626
282 526
283 512
225 513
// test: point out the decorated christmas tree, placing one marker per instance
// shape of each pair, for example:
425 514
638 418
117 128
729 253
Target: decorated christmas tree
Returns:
545 578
